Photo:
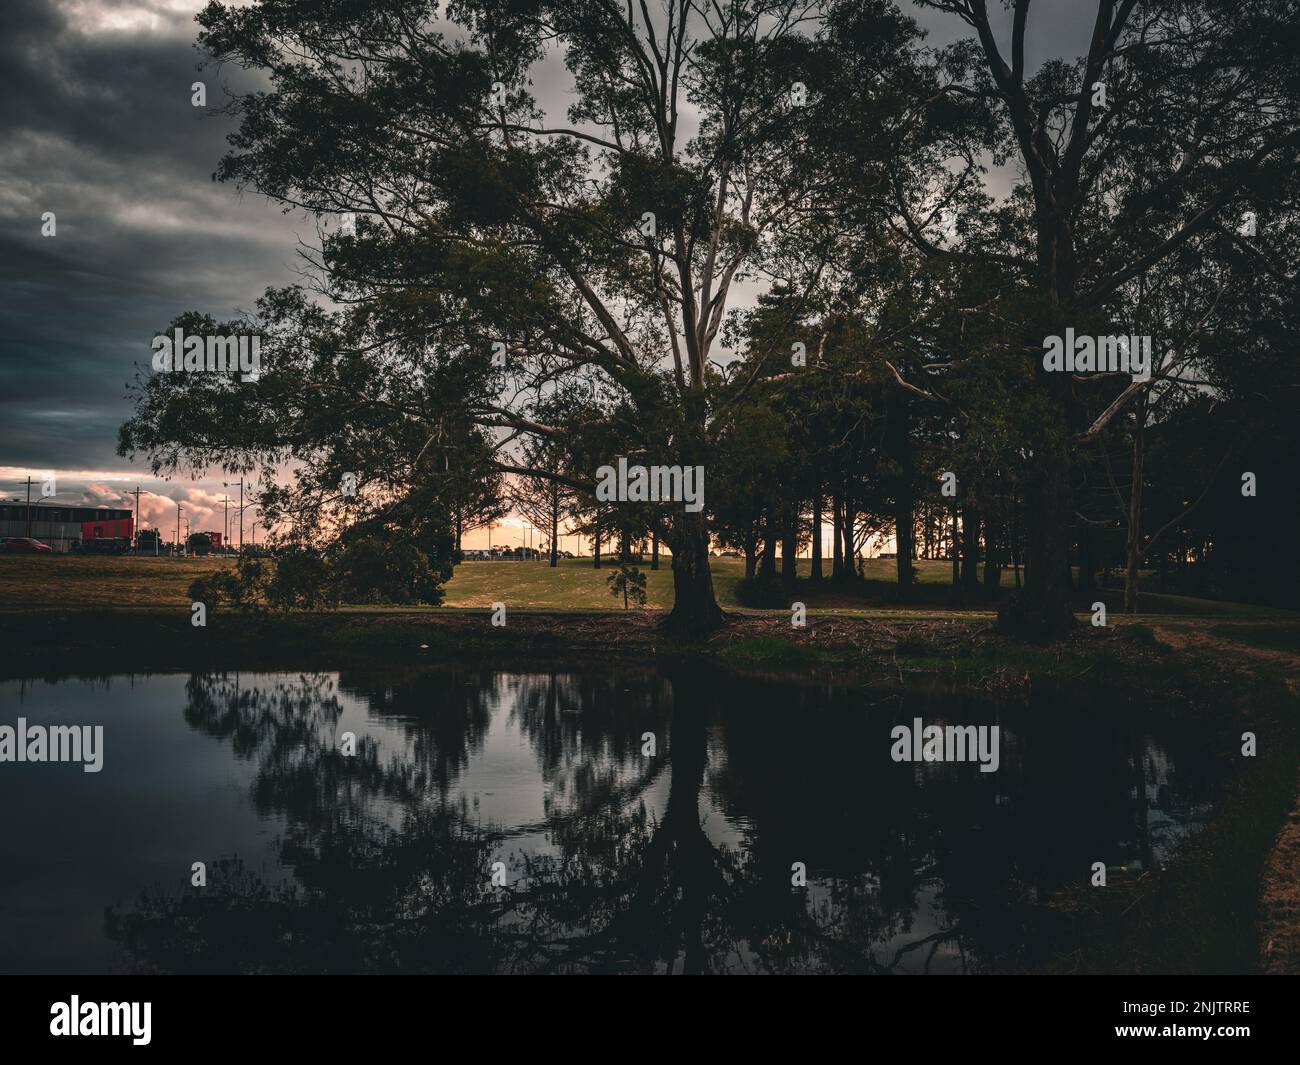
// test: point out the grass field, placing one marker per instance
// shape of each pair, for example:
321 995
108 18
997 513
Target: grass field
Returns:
67 582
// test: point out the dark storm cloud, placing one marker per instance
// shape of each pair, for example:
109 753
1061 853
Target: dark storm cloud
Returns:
98 128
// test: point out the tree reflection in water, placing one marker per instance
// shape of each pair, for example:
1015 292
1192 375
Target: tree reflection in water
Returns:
676 863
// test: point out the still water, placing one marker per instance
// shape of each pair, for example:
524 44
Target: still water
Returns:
613 859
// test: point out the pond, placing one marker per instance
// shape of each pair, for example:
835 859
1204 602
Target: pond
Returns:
581 820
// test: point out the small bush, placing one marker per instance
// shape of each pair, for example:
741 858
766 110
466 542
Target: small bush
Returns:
302 580
372 570
1141 634
629 582
238 588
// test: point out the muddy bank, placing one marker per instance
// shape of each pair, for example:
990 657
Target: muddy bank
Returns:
1279 933
966 651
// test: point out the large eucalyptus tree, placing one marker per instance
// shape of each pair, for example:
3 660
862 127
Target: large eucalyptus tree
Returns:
490 246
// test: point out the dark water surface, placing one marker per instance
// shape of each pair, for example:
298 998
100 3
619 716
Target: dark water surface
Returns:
613 860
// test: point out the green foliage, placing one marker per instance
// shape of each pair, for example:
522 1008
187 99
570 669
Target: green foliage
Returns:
215 588
629 582
371 570
301 580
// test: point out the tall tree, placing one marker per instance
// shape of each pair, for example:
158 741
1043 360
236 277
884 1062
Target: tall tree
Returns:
596 244
1200 95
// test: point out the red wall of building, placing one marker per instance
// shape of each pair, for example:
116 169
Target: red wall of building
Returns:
106 530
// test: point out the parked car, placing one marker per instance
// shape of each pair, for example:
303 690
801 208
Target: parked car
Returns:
104 545
24 545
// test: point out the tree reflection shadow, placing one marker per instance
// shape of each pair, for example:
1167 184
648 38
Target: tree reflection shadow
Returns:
675 863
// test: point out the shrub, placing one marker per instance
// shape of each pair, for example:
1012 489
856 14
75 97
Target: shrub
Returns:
302 580
372 570
369 569
1138 633
629 582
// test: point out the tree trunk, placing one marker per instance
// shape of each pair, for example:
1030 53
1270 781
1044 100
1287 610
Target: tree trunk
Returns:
837 550
1133 548
695 608
1087 562
970 552
846 527
595 549
654 550
817 535
956 554
899 446
904 542
789 544
555 530
992 562
1044 609
751 550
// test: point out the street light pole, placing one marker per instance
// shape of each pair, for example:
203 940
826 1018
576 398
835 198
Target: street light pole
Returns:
226 484
225 525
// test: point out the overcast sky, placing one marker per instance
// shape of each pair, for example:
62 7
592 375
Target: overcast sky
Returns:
97 126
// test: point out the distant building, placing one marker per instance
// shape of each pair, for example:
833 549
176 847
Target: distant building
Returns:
499 554
61 524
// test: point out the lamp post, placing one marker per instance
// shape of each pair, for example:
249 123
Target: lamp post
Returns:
225 524
226 484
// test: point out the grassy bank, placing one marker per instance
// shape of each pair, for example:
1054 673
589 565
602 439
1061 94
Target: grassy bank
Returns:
70 582
965 651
